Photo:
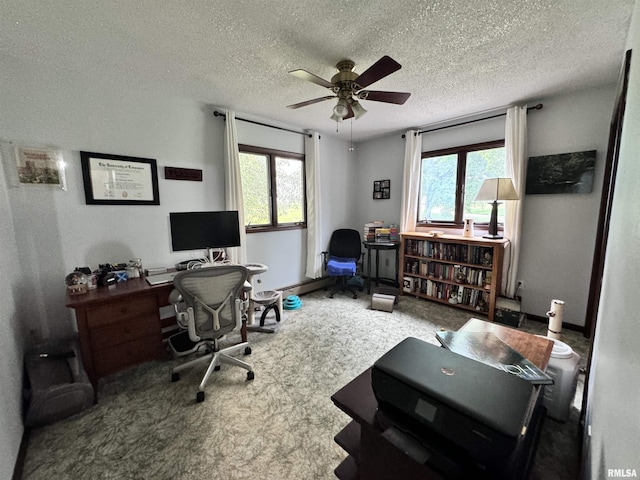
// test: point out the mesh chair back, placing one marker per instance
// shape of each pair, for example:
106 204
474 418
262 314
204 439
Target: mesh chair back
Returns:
216 287
345 243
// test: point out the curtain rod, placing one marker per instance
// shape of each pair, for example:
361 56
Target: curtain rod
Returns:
535 107
219 114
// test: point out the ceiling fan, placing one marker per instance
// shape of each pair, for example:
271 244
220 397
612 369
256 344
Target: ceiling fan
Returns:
348 87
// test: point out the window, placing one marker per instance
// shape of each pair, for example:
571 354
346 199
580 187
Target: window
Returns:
273 188
450 180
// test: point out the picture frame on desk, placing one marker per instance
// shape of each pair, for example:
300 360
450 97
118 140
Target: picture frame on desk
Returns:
119 180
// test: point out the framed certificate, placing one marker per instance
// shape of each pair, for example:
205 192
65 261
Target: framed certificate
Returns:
119 180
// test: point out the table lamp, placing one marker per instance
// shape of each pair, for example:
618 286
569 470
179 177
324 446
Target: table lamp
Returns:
493 190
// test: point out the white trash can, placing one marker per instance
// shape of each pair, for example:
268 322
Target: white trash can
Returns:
563 368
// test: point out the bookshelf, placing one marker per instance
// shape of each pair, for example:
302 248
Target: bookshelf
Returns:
459 271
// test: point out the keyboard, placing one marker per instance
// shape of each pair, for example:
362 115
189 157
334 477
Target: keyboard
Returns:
161 278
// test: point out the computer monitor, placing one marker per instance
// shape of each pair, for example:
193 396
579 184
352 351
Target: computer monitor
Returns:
208 230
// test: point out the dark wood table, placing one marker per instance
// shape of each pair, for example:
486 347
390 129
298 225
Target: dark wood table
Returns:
376 247
536 349
372 455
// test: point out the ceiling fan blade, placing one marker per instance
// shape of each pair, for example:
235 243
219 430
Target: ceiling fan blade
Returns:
383 67
310 77
388 97
311 102
349 113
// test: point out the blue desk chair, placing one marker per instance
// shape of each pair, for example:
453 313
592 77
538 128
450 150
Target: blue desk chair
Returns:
345 251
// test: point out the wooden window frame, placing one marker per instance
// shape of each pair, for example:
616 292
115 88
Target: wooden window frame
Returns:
461 152
271 154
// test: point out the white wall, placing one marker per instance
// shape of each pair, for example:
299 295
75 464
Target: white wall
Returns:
12 338
612 416
558 232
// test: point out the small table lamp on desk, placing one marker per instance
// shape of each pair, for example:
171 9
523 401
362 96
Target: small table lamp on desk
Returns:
493 190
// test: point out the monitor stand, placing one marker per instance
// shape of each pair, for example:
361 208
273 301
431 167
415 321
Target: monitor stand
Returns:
215 254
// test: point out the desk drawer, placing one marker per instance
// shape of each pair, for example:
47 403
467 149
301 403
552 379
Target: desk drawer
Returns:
123 310
125 331
124 355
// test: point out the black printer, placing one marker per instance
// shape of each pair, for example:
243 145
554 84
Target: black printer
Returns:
476 411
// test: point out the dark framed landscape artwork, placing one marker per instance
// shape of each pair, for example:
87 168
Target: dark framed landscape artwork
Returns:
561 173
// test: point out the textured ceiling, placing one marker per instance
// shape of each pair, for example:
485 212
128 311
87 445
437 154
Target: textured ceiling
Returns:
458 57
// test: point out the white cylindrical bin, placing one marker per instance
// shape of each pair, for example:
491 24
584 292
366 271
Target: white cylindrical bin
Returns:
555 319
563 368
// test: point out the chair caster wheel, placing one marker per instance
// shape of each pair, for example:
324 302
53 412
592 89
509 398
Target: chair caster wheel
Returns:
247 351
355 295
200 397
250 376
175 377
330 296
216 368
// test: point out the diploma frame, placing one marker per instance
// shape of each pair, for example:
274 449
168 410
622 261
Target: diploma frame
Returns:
138 185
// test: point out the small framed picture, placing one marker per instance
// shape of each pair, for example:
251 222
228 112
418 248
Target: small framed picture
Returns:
381 189
37 166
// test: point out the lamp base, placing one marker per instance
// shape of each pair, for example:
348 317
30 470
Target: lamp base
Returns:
493 223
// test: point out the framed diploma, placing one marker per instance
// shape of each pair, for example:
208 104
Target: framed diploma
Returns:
119 180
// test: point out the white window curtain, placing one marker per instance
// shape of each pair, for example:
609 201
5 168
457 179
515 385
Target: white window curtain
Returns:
411 180
233 185
314 228
515 143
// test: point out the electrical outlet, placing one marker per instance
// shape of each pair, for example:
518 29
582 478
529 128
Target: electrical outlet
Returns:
520 284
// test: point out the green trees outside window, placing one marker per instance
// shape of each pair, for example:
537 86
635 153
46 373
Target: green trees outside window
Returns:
450 180
273 188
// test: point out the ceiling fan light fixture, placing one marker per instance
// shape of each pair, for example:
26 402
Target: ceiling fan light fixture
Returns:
348 87
341 109
336 118
358 110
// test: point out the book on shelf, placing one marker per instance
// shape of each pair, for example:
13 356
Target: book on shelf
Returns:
487 348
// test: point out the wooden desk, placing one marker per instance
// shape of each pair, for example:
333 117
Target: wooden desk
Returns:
365 439
119 326
537 349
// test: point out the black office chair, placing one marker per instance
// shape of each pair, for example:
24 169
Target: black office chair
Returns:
341 261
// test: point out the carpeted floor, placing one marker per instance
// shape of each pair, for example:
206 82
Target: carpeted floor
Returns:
278 426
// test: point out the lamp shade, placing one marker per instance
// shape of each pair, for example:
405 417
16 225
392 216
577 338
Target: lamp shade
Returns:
497 189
